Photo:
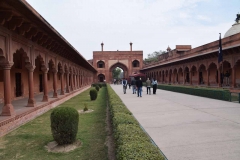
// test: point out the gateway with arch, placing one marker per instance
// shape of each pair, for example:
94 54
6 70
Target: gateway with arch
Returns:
131 62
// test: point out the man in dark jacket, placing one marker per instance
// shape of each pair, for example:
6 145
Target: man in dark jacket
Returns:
139 87
133 84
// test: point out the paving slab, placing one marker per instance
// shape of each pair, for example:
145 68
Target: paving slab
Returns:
187 127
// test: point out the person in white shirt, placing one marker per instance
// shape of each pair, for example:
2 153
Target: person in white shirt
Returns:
154 84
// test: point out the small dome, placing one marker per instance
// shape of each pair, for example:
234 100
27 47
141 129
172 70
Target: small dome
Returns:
235 28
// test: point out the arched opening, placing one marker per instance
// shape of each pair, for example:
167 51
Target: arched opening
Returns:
170 76
101 78
135 63
237 74
100 64
166 77
38 74
117 72
194 75
20 74
212 71
202 74
226 70
187 77
175 76
180 75
51 67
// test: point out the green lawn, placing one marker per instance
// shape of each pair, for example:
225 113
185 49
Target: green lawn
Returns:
28 141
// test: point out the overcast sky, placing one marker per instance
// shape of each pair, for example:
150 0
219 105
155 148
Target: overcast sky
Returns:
151 25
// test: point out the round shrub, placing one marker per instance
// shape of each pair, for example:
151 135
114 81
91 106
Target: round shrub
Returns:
64 125
100 85
97 87
93 94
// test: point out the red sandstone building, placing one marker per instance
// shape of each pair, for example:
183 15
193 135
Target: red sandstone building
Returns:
35 60
105 61
199 66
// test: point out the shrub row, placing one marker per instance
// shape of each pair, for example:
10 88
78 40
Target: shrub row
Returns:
203 92
131 141
99 84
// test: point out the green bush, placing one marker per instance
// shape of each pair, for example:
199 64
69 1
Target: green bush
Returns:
138 150
122 118
64 125
85 107
100 85
93 94
97 87
203 92
129 133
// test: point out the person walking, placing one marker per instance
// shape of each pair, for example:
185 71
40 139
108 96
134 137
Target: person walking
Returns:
124 83
139 87
133 84
154 83
148 85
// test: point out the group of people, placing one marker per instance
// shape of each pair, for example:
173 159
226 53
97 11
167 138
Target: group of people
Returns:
137 85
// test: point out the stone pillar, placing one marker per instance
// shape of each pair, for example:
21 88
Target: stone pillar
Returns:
72 88
7 109
67 82
45 85
219 78
55 84
31 100
183 77
198 80
207 77
62 83
190 73
234 77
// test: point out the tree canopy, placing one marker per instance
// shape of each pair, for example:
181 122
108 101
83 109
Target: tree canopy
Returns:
116 73
153 57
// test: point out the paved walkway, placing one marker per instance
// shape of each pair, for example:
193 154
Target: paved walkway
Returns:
187 127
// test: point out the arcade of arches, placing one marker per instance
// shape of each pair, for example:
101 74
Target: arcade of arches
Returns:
200 65
36 60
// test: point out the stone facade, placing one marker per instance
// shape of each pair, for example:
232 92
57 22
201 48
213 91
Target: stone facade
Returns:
105 61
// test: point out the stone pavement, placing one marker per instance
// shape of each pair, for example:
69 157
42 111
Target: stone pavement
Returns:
187 127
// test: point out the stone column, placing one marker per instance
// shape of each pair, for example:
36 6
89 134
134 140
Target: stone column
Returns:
7 109
207 77
190 73
67 82
55 84
62 83
31 100
72 88
219 78
198 80
45 85
233 77
183 77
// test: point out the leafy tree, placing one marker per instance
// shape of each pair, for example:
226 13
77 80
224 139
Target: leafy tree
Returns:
153 57
116 72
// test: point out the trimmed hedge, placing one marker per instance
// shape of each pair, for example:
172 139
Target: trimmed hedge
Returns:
99 84
131 141
203 92
64 125
93 94
97 87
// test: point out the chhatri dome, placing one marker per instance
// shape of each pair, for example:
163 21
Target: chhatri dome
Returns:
235 27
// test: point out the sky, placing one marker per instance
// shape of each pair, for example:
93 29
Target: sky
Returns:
151 25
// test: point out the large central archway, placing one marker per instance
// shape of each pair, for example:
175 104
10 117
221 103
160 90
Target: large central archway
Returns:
119 65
